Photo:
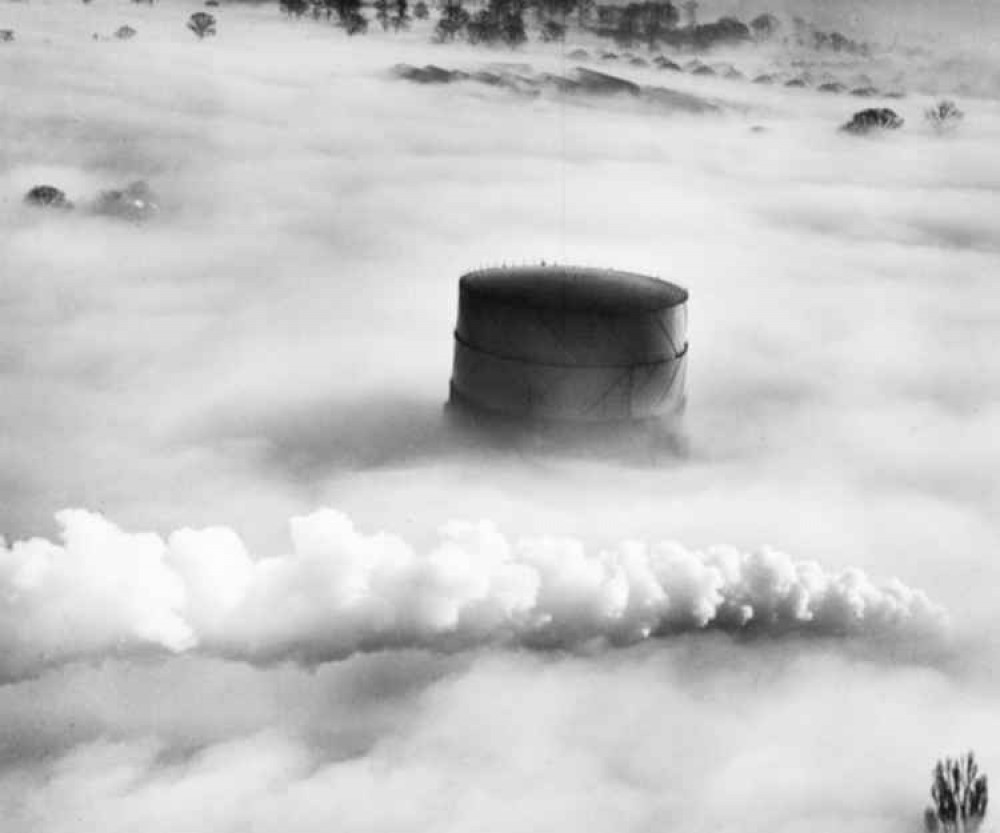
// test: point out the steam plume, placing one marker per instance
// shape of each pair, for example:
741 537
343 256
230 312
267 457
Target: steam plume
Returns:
103 590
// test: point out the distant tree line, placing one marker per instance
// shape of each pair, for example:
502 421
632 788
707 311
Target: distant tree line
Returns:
347 12
837 42
656 22
393 14
502 21
647 22
651 23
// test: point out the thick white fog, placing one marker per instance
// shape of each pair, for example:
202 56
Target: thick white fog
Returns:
252 579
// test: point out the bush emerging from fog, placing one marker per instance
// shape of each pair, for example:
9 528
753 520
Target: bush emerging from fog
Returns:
202 24
960 796
125 33
6 35
47 196
944 116
873 120
421 11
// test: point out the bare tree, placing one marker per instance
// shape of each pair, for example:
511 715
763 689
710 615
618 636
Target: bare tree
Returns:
960 796
944 116
452 22
399 14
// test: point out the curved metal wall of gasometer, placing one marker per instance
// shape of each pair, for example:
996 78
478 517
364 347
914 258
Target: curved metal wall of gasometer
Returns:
569 364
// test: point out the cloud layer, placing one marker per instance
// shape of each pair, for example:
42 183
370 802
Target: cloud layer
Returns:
695 734
279 337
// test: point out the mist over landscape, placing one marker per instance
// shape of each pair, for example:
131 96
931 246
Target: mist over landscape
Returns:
252 576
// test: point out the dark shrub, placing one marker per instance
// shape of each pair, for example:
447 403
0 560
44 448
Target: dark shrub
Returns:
876 119
47 196
202 24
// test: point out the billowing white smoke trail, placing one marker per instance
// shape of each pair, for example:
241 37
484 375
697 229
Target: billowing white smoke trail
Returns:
104 590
